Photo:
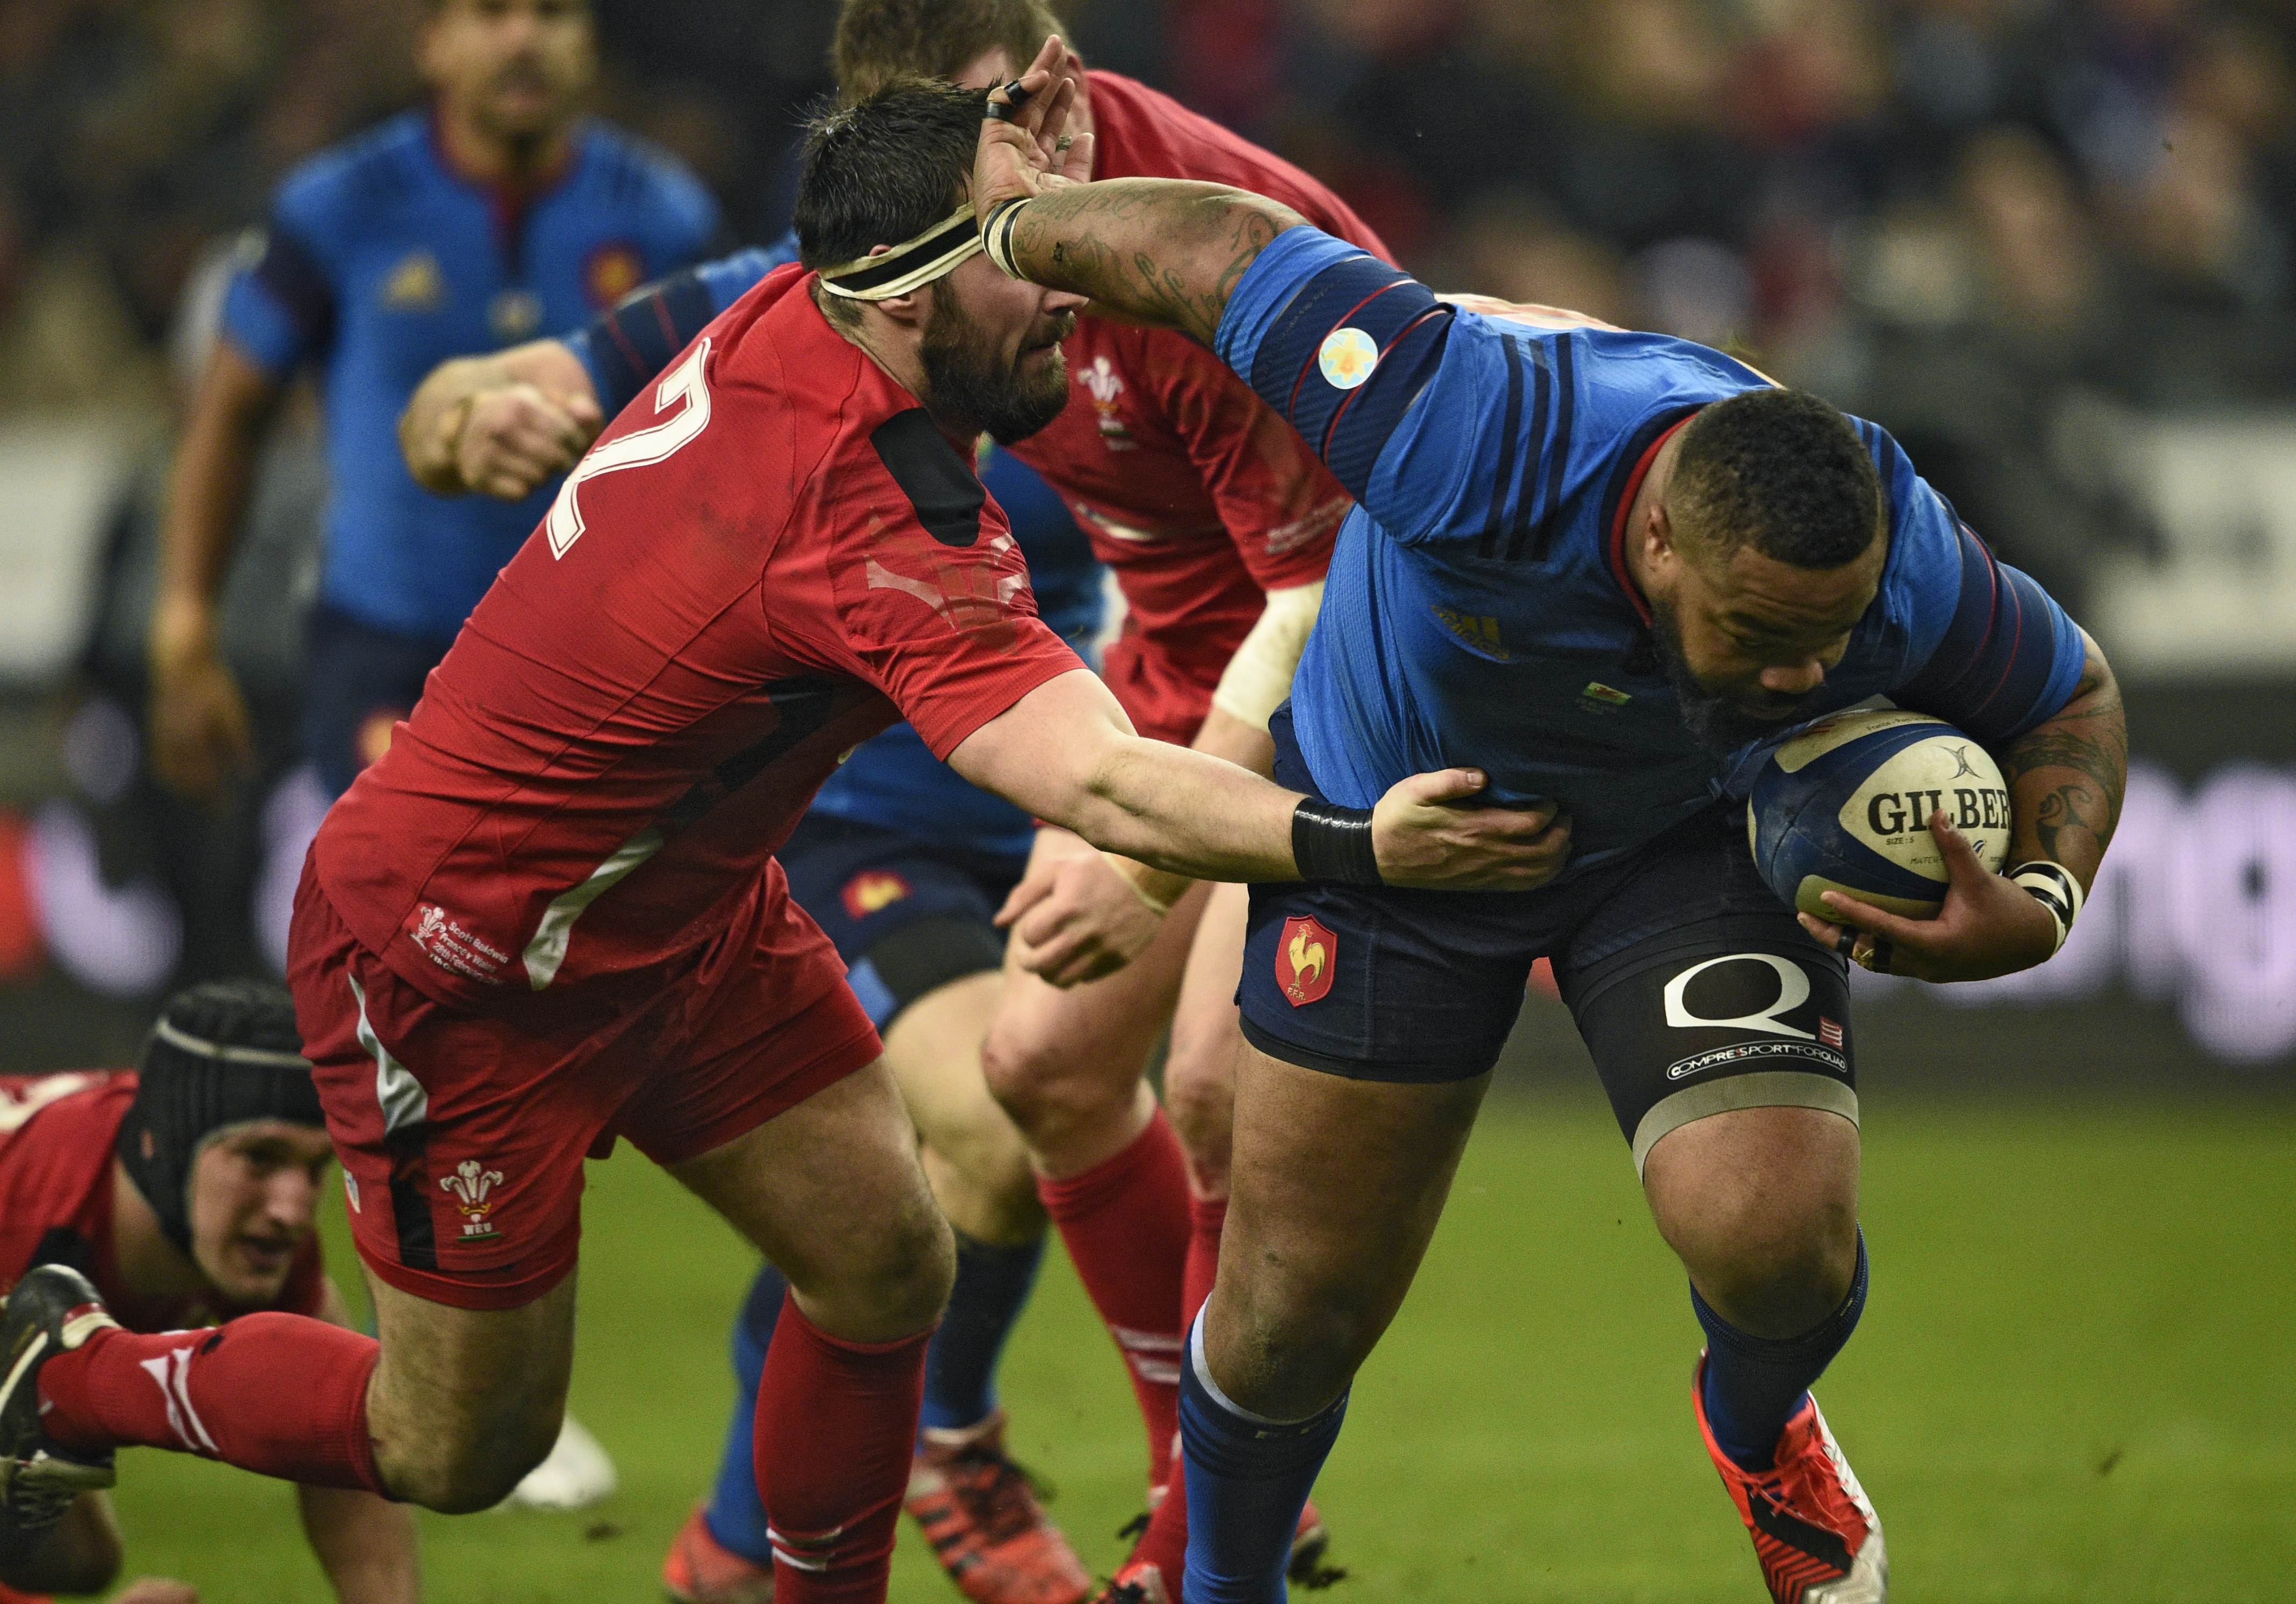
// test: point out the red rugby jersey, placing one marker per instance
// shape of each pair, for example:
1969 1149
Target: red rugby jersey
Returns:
763 561
57 1133
1196 494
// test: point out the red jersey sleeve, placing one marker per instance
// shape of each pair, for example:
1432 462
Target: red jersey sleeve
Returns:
931 591
1277 502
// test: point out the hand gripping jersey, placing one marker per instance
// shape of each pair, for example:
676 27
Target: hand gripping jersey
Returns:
764 560
1479 609
1195 495
57 1133
892 781
380 261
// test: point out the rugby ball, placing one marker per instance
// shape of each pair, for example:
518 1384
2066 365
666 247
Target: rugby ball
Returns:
1845 806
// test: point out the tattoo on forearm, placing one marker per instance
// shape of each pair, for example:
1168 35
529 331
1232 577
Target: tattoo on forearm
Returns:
1167 255
2074 818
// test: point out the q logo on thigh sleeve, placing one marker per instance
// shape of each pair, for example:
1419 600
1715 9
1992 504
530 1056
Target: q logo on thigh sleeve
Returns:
1715 1027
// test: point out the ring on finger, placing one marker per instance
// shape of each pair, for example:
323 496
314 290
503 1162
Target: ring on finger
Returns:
1875 959
1005 109
1846 944
1064 142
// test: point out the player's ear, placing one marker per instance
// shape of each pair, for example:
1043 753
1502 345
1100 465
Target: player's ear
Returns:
907 311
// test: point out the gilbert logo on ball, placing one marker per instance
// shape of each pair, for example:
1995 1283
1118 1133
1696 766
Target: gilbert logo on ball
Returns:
1845 806
1347 358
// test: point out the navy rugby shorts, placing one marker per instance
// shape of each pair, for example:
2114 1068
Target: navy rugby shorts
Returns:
907 915
1694 988
358 682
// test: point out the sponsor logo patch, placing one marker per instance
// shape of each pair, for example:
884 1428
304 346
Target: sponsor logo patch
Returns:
1604 695
415 285
449 944
612 272
873 889
1743 1052
1482 633
1105 386
1304 955
1829 1031
471 1186
1347 358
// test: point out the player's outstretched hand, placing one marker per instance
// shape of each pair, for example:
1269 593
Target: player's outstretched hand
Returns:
1029 151
1989 926
157 1590
1075 918
516 436
1428 833
200 734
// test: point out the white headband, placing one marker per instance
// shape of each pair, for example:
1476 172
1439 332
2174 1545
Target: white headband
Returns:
913 263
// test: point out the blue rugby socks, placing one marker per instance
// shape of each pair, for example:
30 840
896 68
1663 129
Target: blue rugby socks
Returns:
1248 1478
735 1517
1754 1385
993 1284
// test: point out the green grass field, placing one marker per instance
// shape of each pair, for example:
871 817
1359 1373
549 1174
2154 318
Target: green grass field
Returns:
2074 1383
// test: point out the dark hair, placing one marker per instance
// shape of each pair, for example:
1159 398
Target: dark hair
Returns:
885 169
1780 468
880 40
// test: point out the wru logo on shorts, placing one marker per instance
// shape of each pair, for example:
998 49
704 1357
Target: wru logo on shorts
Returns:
472 1187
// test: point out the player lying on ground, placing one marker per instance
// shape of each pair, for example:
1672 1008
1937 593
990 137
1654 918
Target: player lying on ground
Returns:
549 917
1613 564
1218 522
186 1190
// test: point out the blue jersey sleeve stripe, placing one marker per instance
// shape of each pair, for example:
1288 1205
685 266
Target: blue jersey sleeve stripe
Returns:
1360 429
1509 443
1558 448
631 345
290 275
2001 659
1537 494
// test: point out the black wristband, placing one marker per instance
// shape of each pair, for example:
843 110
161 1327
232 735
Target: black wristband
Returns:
1330 843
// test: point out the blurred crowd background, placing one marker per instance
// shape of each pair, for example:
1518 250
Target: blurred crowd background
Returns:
2034 238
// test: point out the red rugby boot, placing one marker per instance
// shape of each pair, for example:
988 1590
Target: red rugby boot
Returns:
699 1569
1814 1530
976 1510
1138 1583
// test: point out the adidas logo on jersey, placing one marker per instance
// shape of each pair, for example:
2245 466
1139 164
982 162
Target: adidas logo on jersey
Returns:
1482 633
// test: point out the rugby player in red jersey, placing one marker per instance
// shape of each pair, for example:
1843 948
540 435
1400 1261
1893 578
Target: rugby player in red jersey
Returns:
1218 522
186 1190
549 917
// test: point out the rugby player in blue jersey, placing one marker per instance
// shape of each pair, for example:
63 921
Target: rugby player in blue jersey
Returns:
1612 566
905 866
494 214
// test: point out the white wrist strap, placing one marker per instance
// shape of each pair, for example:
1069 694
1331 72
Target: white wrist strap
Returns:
2056 888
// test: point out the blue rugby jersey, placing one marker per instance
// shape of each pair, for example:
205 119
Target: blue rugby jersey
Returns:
379 262
892 781
1479 609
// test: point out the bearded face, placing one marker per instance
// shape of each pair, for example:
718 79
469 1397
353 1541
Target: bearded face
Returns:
1011 382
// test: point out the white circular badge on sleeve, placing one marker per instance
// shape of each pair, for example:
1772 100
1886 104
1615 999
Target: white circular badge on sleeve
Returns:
1347 358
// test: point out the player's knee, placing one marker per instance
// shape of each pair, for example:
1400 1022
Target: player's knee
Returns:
463 1472
897 1277
1294 1352
1045 1091
1202 1108
1776 1271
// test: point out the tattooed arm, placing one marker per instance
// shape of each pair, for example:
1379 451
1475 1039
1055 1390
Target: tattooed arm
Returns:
1162 251
2066 775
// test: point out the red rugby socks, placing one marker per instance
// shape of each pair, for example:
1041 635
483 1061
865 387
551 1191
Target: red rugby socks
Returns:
836 1424
1206 1218
281 1395
1125 1224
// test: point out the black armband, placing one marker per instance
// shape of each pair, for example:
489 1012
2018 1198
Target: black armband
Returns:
1331 843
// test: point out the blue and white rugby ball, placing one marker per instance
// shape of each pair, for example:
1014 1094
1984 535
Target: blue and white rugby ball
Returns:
1845 806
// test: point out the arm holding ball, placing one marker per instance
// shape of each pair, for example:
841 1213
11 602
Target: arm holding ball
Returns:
2066 776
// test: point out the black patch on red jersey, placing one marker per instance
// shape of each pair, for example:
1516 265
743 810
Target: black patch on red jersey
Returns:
933 474
61 1245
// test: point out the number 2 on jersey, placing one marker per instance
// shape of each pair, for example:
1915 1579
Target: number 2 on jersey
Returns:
683 387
